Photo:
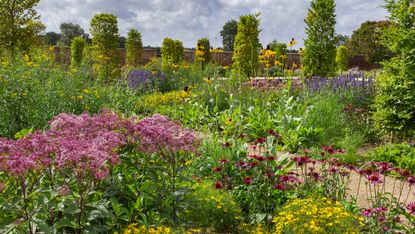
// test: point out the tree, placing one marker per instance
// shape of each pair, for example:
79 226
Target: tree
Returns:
367 41
104 29
341 39
171 52
320 49
77 51
202 54
69 31
395 99
19 24
52 38
245 56
134 48
341 59
122 40
228 34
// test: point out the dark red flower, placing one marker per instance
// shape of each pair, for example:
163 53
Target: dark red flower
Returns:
367 212
384 167
261 140
274 133
242 136
271 158
280 186
375 178
329 149
247 180
218 185
253 164
226 145
315 175
223 161
381 209
411 208
333 170
411 180
260 158
382 219
217 169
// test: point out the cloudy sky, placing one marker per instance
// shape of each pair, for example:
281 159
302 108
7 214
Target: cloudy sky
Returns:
189 20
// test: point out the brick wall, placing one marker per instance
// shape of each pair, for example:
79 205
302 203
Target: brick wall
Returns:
62 55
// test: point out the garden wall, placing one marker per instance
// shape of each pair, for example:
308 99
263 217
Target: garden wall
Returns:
62 55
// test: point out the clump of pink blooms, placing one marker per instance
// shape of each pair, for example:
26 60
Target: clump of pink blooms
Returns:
90 144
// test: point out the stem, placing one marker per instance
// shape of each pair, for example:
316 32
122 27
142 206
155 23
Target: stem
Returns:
358 188
25 211
407 195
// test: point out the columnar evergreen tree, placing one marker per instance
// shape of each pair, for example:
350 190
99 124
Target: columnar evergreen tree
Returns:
246 49
171 52
134 48
228 34
320 45
105 44
19 25
202 54
77 51
341 58
395 99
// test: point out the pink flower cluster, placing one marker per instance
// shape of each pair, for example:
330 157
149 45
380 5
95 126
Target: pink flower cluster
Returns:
88 144
159 134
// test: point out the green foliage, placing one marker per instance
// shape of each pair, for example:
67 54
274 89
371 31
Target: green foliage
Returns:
52 38
279 48
171 52
401 155
342 39
320 49
19 27
202 54
395 100
366 41
211 209
77 51
69 31
104 31
245 56
228 34
133 48
342 58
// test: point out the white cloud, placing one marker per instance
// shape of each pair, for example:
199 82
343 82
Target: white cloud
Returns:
189 20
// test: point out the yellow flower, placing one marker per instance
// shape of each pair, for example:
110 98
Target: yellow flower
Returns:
208 80
229 121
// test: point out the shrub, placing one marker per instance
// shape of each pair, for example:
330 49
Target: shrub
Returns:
202 54
341 58
211 209
78 45
133 47
104 30
171 52
245 57
395 100
170 98
315 215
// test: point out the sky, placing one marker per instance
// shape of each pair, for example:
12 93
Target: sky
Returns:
190 20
